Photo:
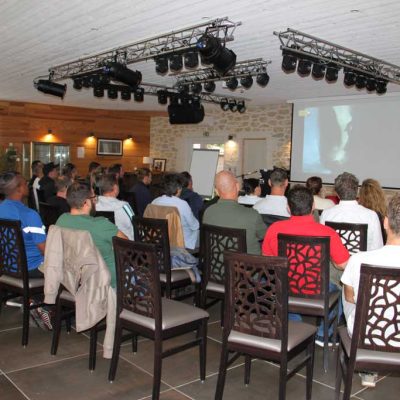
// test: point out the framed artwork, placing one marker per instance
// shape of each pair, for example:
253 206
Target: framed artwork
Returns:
109 147
159 164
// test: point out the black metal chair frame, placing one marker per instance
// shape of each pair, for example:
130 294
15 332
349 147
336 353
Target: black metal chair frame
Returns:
353 236
110 215
269 219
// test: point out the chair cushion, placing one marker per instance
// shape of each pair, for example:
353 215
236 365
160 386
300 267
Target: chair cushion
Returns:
174 313
9 280
313 304
297 333
215 287
176 276
373 356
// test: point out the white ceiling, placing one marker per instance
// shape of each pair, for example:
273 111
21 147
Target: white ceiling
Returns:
37 34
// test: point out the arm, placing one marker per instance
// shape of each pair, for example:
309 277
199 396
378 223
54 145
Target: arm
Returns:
349 294
121 235
260 227
374 233
41 246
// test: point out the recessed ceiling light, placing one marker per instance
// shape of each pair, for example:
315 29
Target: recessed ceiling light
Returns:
355 11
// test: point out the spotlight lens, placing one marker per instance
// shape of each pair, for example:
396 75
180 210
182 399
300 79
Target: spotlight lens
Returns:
318 71
233 105
241 106
224 105
112 92
196 87
232 83
304 67
262 79
98 91
332 74
246 81
209 86
162 96
289 63
138 94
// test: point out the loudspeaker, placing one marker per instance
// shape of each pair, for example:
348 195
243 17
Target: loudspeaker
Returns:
185 114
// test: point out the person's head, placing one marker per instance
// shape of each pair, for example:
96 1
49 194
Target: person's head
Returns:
252 186
70 171
300 201
314 183
117 170
172 184
109 185
81 199
392 221
62 184
372 196
226 185
37 168
278 181
94 166
144 175
346 186
51 170
187 181
13 185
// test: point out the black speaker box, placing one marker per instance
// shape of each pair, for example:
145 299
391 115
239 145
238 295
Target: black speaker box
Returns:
185 114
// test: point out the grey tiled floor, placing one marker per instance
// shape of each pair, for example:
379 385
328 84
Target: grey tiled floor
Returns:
32 373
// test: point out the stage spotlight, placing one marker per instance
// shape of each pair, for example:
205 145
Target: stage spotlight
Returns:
195 87
183 88
361 82
246 81
78 84
175 62
304 67
224 104
332 73
289 62
349 78
191 59
196 101
98 91
209 86
241 107
381 86
138 94
87 81
232 105
49 87
262 79
371 85
126 93
232 83
112 92
213 52
162 96
318 71
161 65
121 73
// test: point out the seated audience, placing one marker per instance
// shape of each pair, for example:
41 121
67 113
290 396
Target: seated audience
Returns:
190 225
37 175
108 202
70 171
60 199
82 201
315 185
94 170
348 210
228 213
141 190
388 256
276 202
194 200
252 190
47 183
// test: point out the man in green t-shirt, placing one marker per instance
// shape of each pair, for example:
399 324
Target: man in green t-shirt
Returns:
82 201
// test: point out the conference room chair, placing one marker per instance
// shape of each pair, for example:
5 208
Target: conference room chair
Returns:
353 236
142 310
49 214
14 280
256 320
269 219
106 214
155 231
375 342
308 274
214 240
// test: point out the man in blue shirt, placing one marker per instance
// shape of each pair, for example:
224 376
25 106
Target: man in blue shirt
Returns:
15 189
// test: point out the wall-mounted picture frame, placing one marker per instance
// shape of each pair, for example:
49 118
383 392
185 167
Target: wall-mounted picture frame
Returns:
159 164
109 147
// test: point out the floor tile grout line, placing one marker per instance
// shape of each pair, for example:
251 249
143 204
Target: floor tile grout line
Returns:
10 329
16 386
365 388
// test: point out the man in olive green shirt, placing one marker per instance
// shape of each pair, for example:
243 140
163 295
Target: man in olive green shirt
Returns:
82 202
228 213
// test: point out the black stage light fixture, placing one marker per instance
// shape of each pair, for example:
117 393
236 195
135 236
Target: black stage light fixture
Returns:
162 96
138 94
349 78
381 86
371 85
241 107
232 105
175 62
304 67
332 73
232 83
126 93
87 81
246 81
191 59
98 91
196 101
209 86
224 104
262 79
183 88
195 87
78 84
121 73
318 71
161 65
49 87
289 62
112 92
213 52
361 81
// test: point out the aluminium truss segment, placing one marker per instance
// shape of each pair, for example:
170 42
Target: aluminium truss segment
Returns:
311 46
167 43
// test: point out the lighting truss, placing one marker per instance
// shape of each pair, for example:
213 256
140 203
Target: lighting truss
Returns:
242 68
311 46
142 50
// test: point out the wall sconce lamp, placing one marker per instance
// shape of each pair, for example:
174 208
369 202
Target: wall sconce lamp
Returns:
91 135
129 138
230 137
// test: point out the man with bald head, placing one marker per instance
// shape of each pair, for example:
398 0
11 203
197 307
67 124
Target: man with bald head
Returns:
228 213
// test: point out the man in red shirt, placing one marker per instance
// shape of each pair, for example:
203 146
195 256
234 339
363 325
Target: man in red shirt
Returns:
301 222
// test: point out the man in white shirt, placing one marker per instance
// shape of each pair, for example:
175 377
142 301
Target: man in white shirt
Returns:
348 210
276 202
388 256
190 225
108 202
